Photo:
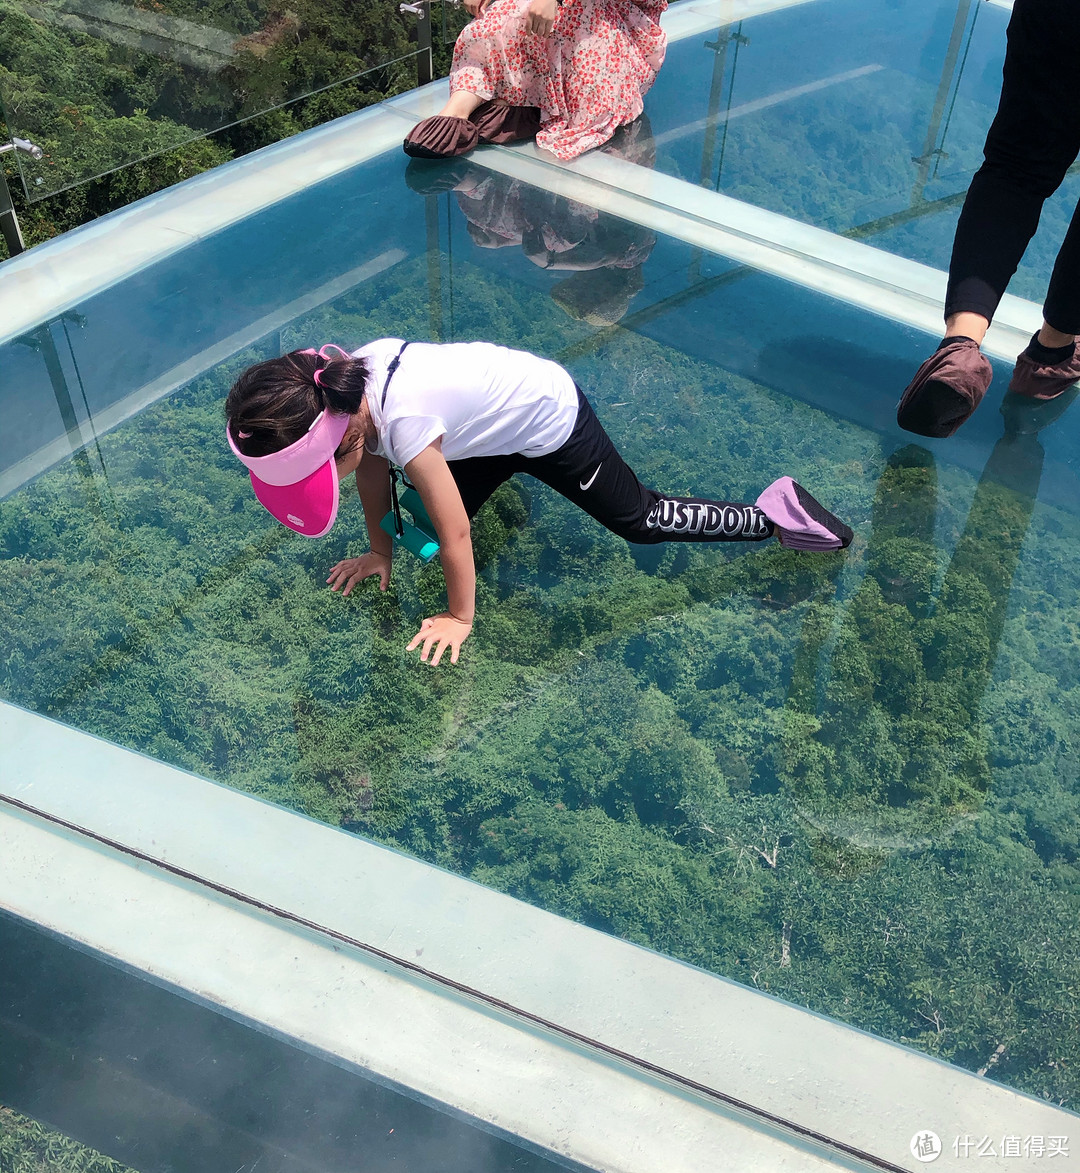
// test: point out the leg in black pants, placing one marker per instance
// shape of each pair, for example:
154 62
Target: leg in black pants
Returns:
1034 139
588 471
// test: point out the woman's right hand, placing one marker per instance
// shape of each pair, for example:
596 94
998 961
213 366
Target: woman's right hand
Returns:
476 7
351 571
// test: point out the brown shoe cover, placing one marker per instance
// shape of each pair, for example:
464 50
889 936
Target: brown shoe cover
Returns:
441 137
496 122
946 390
1037 380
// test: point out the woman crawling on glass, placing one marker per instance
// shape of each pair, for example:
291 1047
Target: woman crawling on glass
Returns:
460 419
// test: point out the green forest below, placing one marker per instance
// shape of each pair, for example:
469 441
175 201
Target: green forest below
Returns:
142 122
27 1146
848 781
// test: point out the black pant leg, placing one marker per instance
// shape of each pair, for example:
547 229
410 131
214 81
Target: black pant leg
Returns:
479 476
1034 139
589 471
1062 306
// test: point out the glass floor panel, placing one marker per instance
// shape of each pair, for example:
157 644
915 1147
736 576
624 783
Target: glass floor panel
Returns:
865 117
168 1084
849 781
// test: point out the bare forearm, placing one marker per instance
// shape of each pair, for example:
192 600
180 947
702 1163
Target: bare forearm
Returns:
435 483
373 484
456 556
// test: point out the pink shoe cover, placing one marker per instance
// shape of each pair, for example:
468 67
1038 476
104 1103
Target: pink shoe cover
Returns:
802 523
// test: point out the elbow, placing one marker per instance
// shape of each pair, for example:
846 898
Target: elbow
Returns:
459 537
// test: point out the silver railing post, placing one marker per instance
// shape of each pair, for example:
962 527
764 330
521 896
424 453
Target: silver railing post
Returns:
9 222
425 65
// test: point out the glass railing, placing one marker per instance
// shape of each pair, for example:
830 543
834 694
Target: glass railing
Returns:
100 84
860 116
452 19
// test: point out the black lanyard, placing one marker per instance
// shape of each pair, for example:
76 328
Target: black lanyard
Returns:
395 362
399 525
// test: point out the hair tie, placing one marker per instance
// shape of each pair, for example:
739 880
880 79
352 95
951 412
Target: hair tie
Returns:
315 377
243 435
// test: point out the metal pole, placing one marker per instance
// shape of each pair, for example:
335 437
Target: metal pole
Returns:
434 268
9 223
931 150
43 342
425 64
719 49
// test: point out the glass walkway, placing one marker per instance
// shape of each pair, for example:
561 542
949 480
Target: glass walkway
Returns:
809 827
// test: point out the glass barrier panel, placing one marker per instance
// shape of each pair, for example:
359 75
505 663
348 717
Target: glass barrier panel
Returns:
101 84
148 1079
864 117
453 19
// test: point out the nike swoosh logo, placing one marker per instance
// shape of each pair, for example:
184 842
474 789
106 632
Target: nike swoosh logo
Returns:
583 485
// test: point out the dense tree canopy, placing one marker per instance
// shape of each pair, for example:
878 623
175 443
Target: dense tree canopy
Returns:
846 780
142 120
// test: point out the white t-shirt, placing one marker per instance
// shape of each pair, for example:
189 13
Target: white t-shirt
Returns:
484 400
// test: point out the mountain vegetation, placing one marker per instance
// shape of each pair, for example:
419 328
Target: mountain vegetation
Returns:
849 781
118 120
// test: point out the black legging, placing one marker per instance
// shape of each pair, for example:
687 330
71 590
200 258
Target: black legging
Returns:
1034 139
588 471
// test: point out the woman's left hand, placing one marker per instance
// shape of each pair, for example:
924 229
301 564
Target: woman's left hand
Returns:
540 16
441 631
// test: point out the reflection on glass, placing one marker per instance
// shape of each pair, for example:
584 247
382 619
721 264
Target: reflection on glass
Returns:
864 117
603 254
102 83
898 726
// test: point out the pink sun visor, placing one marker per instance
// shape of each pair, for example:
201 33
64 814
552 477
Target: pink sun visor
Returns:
299 484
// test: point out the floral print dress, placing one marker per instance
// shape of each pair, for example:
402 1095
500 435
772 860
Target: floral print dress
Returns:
588 76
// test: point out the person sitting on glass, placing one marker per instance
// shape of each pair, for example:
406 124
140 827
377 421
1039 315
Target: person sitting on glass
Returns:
460 419
569 72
